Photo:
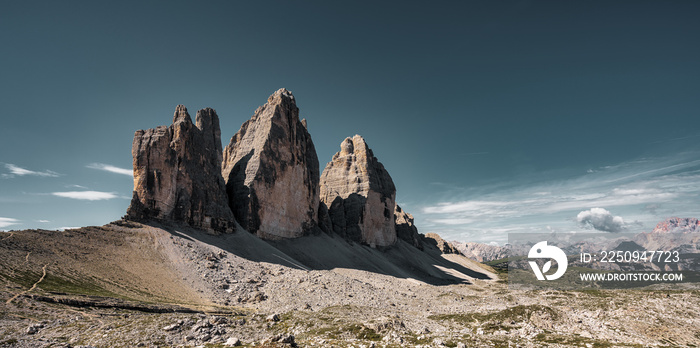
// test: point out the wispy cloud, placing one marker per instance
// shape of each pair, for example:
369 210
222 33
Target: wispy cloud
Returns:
643 191
87 195
19 171
110 168
4 222
43 221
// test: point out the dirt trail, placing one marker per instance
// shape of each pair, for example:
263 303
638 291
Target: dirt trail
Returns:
43 269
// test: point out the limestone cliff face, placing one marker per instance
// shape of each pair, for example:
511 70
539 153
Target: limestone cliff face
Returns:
271 171
405 229
177 173
359 194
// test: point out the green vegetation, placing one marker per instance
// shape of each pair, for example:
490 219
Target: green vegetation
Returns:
578 341
357 331
363 333
501 265
415 340
58 283
517 313
450 344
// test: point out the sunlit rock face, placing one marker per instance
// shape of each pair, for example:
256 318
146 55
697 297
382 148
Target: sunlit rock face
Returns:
177 173
359 194
271 171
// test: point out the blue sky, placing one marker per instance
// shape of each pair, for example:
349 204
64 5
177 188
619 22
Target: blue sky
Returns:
490 116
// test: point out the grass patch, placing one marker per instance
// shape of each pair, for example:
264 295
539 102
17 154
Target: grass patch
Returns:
355 331
416 340
517 313
500 266
450 343
363 333
578 341
58 283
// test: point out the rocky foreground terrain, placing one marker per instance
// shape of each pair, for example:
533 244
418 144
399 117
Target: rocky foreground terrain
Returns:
134 285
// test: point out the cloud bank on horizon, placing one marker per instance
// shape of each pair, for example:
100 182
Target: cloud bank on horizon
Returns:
631 196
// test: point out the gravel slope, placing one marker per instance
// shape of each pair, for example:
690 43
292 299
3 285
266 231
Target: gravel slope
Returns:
163 286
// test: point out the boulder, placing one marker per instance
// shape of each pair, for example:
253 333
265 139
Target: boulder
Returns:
271 171
233 342
359 194
177 173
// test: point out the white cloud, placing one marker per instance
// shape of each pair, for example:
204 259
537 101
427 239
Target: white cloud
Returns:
476 206
43 221
111 168
19 171
4 222
87 195
601 220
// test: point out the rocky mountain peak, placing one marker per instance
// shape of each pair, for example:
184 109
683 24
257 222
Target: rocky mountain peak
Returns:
271 171
282 94
677 225
181 114
177 173
347 147
360 195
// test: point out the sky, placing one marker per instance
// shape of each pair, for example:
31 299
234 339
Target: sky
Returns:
490 116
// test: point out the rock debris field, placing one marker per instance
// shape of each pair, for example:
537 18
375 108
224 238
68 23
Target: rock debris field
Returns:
143 285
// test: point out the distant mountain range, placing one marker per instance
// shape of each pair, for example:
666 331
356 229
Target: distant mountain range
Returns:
671 234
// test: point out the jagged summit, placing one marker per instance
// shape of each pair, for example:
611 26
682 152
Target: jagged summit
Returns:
177 173
282 92
359 194
271 171
181 114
